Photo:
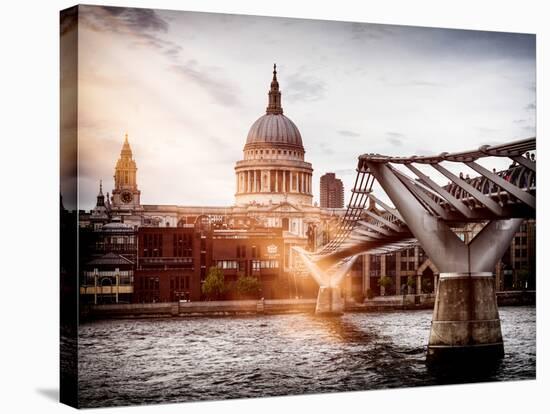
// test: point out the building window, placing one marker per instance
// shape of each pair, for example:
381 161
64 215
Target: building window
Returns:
269 264
227 264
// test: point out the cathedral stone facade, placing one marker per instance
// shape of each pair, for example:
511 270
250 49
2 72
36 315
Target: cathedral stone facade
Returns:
273 188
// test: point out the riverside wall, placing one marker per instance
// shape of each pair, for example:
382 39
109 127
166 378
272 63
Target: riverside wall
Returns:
275 306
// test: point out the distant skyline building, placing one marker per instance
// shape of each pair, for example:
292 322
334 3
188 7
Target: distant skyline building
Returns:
331 191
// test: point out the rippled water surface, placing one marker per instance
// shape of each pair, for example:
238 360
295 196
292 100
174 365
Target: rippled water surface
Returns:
172 360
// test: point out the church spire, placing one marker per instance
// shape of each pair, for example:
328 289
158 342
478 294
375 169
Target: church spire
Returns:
274 105
126 150
100 196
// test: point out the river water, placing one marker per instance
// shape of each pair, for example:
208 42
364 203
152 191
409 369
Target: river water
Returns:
124 362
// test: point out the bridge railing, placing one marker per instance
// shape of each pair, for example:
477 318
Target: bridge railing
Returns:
518 176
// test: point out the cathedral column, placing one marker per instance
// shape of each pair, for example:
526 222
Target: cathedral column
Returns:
284 181
269 189
276 181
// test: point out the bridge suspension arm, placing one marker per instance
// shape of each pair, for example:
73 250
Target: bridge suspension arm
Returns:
517 192
493 206
454 202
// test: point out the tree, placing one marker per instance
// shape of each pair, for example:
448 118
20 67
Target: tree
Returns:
522 275
248 286
214 285
427 286
385 282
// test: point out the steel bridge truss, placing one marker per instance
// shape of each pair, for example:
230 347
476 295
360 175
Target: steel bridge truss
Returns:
465 322
489 197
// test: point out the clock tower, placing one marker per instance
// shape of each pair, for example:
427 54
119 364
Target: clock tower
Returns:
125 197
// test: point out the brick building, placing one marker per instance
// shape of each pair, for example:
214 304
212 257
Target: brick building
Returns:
252 252
171 263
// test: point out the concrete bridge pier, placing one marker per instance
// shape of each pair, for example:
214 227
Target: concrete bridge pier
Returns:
465 320
329 301
465 323
329 298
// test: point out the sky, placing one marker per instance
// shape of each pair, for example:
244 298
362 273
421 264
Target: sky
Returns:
187 86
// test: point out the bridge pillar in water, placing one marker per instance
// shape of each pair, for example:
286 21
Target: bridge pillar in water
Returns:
465 323
329 301
465 319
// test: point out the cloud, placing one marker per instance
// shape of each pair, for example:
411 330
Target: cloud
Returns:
486 130
173 51
346 171
137 19
363 31
326 149
347 133
143 26
425 83
424 152
223 92
395 138
226 152
411 83
304 88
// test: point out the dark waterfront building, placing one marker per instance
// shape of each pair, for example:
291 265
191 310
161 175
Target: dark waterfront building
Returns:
107 255
332 191
171 263
255 252
107 279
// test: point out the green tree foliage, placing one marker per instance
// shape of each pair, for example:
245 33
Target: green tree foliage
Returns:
385 281
214 285
248 286
522 276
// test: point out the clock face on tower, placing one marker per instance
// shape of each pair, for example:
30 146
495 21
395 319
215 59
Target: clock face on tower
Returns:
126 197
